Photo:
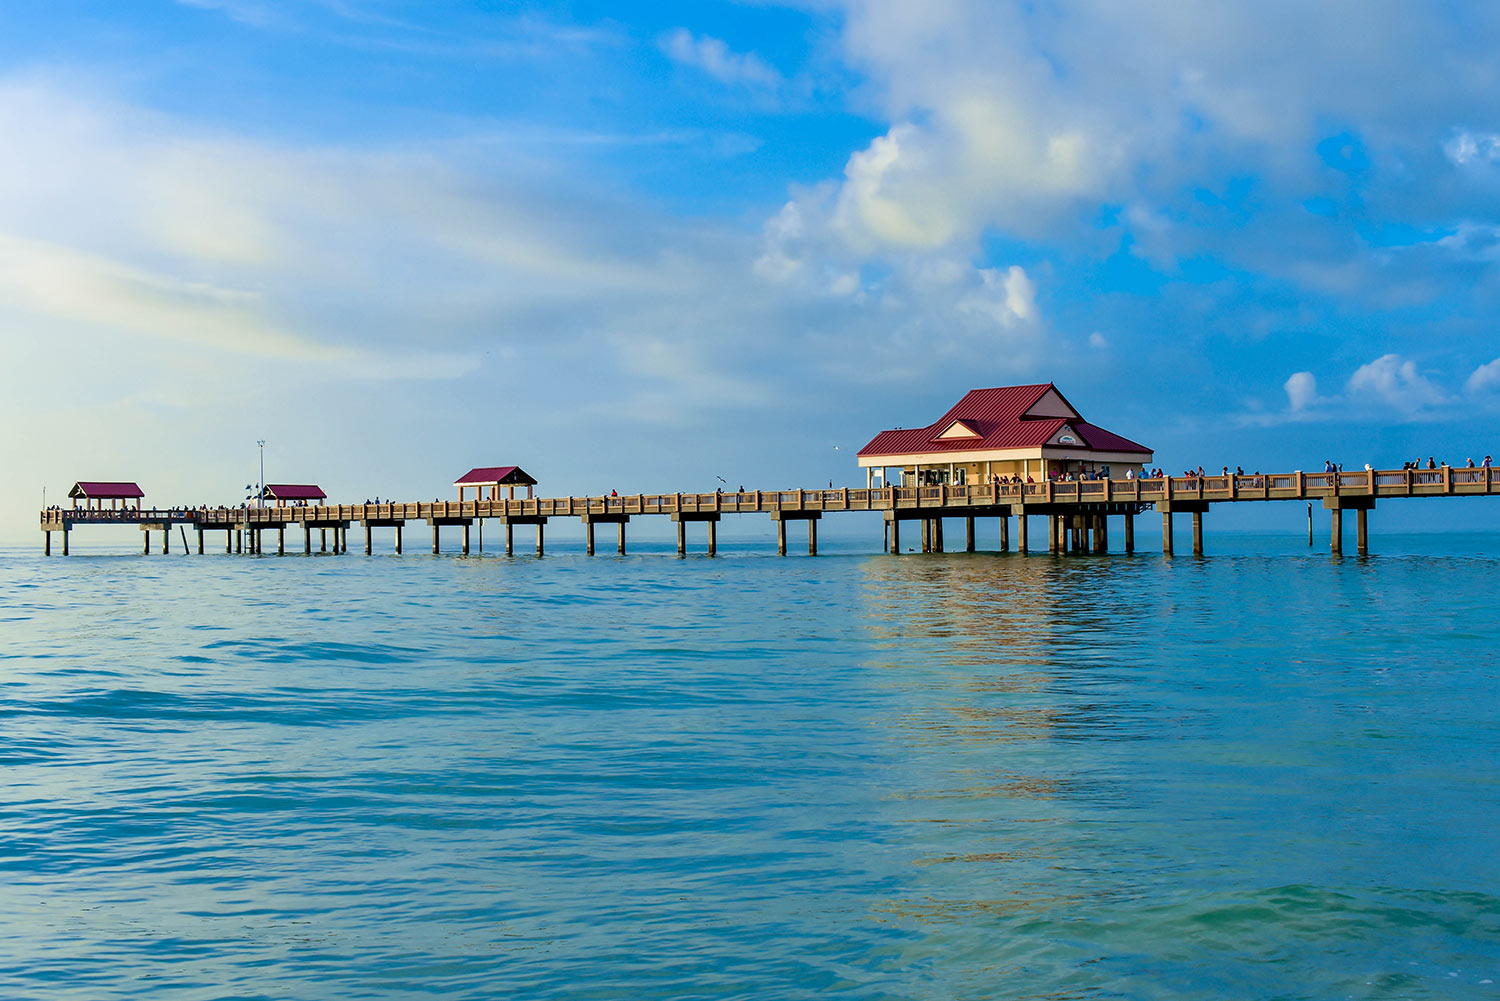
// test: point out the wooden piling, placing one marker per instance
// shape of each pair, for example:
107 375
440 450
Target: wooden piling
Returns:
621 527
1166 533
588 537
1004 534
969 534
1021 543
1362 532
510 539
713 538
1130 533
200 540
780 537
1336 544
540 527
681 538
398 539
812 536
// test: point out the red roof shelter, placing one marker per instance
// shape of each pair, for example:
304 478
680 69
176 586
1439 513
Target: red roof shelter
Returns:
493 477
1028 431
94 493
295 493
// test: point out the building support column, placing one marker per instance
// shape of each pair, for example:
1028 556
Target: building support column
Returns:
969 534
1166 533
1197 533
1130 533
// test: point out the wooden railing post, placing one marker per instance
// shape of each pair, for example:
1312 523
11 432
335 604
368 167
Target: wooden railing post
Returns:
1447 478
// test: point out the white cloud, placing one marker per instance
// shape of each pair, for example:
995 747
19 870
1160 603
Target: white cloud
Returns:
714 57
1396 382
1098 341
1484 378
1467 147
1301 390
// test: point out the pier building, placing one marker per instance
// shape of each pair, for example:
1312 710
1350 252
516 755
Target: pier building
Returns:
491 479
294 493
1030 432
94 493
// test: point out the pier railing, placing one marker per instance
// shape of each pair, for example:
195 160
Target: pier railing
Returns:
1442 482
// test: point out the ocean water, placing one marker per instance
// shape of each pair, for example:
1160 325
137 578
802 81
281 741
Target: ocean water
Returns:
1267 773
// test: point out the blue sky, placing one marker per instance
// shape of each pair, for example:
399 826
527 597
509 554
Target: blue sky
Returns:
640 247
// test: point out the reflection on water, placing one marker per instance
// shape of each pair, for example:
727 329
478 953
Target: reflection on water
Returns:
946 776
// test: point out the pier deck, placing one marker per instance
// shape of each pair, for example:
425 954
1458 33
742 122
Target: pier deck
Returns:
1079 507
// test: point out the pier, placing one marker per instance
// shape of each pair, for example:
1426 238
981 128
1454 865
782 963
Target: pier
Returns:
1076 515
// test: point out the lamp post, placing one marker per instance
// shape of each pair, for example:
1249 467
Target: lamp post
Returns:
262 501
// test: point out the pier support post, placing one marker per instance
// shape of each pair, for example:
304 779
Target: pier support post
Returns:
1130 533
200 540
1166 533
926 535
540 527
306 539
435 546
166 539
969 534
588 537
510 539
466 538
322 540
681 538
46 543
895 524
1197 533
280 540
780 537
1336 545
713 538
1362 532
1021 544
812 536
398 540
239 541
1099 541
1051 533
1004 534
369 541
622 538
937 535
145 542
65 541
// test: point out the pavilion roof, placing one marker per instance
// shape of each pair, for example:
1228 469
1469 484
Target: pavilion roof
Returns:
106 489
294 491
1004 417
503 476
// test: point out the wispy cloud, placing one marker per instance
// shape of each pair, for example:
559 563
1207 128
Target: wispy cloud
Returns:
714 57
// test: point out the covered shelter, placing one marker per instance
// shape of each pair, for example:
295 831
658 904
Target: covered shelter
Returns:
296 494
94 493
492 478
1031 432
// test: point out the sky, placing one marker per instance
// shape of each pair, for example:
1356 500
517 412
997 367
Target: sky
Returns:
645 247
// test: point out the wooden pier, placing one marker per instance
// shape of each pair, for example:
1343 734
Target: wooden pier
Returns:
1076 513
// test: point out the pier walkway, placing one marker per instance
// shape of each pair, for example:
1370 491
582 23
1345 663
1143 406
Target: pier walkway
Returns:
1077 513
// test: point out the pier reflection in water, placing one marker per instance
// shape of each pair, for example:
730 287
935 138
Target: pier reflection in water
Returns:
1191 768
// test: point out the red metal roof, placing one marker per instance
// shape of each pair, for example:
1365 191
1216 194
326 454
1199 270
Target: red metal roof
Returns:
502 475
997 417
294 491
106 489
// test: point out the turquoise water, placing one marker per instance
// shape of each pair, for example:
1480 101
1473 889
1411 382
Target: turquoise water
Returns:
1268 773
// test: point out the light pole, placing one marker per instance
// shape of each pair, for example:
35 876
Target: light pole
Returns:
262 501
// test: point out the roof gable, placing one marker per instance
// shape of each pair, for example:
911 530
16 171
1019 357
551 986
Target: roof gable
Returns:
960 429
1052 404
294 491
